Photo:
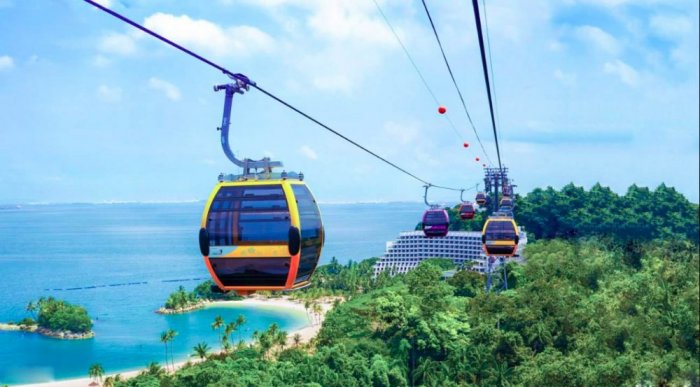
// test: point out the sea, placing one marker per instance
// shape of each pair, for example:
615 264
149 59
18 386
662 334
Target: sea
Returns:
121 260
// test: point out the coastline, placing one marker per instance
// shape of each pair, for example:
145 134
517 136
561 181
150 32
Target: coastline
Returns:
306 333
61 335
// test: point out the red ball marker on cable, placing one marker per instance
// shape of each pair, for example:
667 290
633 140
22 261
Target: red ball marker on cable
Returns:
442 110
477 159
466 145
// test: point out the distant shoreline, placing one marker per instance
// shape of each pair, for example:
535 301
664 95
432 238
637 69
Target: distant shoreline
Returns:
61 335
306 333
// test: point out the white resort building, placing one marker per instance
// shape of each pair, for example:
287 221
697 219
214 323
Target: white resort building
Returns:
411 247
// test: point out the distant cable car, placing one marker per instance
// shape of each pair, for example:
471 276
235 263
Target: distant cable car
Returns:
466 211
259 230
500 236
506 201
436 221
480 198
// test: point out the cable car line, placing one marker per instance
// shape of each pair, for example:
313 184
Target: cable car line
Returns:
477 19
454 81
244 79
415 67
493 74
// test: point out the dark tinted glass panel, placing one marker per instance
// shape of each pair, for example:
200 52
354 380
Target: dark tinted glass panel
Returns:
500 230
435 217
249 215
251 271
311 232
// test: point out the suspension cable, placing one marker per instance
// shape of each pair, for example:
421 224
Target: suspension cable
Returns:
493 74
477 18
415 67
269 94
454 81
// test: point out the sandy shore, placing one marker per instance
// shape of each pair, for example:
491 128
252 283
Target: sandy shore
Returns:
306 333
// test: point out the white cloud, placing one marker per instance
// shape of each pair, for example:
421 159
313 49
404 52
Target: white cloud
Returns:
348 20
671 26
120 44
6 62
171 91
598 38
403 134
626 73
104 3
568 79
101 61
308 152
109 94
210 38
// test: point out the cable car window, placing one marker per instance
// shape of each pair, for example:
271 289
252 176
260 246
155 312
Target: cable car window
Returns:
311 232
435 217
249 215
251 271
500 230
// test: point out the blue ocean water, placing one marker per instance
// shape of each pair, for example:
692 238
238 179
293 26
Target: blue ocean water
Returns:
121 261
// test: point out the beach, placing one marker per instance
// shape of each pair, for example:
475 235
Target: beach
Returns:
306 333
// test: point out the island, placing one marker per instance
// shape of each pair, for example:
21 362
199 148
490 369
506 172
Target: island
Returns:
54 318
182 301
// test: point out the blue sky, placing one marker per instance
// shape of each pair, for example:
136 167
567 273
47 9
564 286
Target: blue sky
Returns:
587 91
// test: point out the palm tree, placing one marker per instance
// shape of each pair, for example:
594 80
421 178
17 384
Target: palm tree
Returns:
201 350
281 339
171 335
239 322
316 308
154 369
32 307
217 324
307 305
164 338
297 339
230 327
109 382
96 372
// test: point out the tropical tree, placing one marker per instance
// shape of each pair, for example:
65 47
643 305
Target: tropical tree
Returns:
154 369
171 336
32 308
217 324
239 323
109 382
96 372
201 350
165 338
297 339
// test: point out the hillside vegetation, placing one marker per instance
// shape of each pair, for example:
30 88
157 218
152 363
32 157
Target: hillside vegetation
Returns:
592 306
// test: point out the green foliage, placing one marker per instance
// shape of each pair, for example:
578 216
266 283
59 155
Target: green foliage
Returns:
578 315
618 307
58 315
27 321
347 280
181 299
203 291
641 214
442 263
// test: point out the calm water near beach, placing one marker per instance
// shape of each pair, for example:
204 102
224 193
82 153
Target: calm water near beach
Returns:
121 261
